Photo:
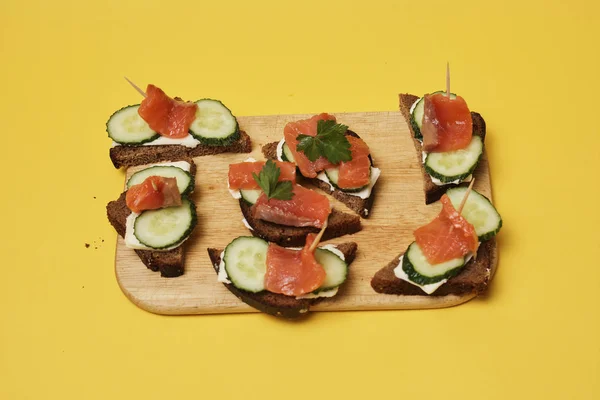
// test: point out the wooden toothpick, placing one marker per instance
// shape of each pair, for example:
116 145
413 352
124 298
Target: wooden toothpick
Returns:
467 193
140 91
462 204
447 79
314 245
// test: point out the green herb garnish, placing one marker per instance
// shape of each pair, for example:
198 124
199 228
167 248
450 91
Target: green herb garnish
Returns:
330 142
268 178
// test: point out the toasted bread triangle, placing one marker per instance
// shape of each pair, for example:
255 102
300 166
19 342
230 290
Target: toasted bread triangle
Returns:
432 191
170 263
472 280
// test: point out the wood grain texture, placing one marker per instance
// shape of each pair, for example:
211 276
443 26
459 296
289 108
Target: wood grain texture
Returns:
398 210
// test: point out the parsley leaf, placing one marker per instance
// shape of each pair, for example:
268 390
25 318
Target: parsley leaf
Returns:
268 178
330 142
283 191
308 145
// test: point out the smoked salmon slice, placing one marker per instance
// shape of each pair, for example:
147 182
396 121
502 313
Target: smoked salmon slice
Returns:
154 193
356 172
448 236
447 123
293 272
240 174
306 127
169 117
306 208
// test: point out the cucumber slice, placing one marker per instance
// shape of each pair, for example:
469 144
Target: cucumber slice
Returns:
126 127
420 271
478 211
165 227
416 116
245 262
214 125
250 195
286 154
333 176
184 178
455 165
335 268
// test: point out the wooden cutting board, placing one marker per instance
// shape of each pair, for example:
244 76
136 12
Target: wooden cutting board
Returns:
398 210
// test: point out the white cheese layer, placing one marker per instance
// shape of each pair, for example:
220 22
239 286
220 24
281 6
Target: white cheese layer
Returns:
188 141
323 293
246 224
235 193
333 248
184 165
363 194
437 182
432 287
280 149
132 242
222 276
412 108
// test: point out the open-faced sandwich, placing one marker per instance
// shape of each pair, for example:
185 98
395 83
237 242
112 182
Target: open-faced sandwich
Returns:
332 157
278 209
166 129
448 139
453 255
281 281
156 215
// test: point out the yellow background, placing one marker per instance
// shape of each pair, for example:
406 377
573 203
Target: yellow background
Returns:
531 69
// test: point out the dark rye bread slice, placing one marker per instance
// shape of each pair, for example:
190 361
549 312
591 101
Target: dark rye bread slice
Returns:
127 156
360 206
433 192
472 280
276 304
338 224
170 263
